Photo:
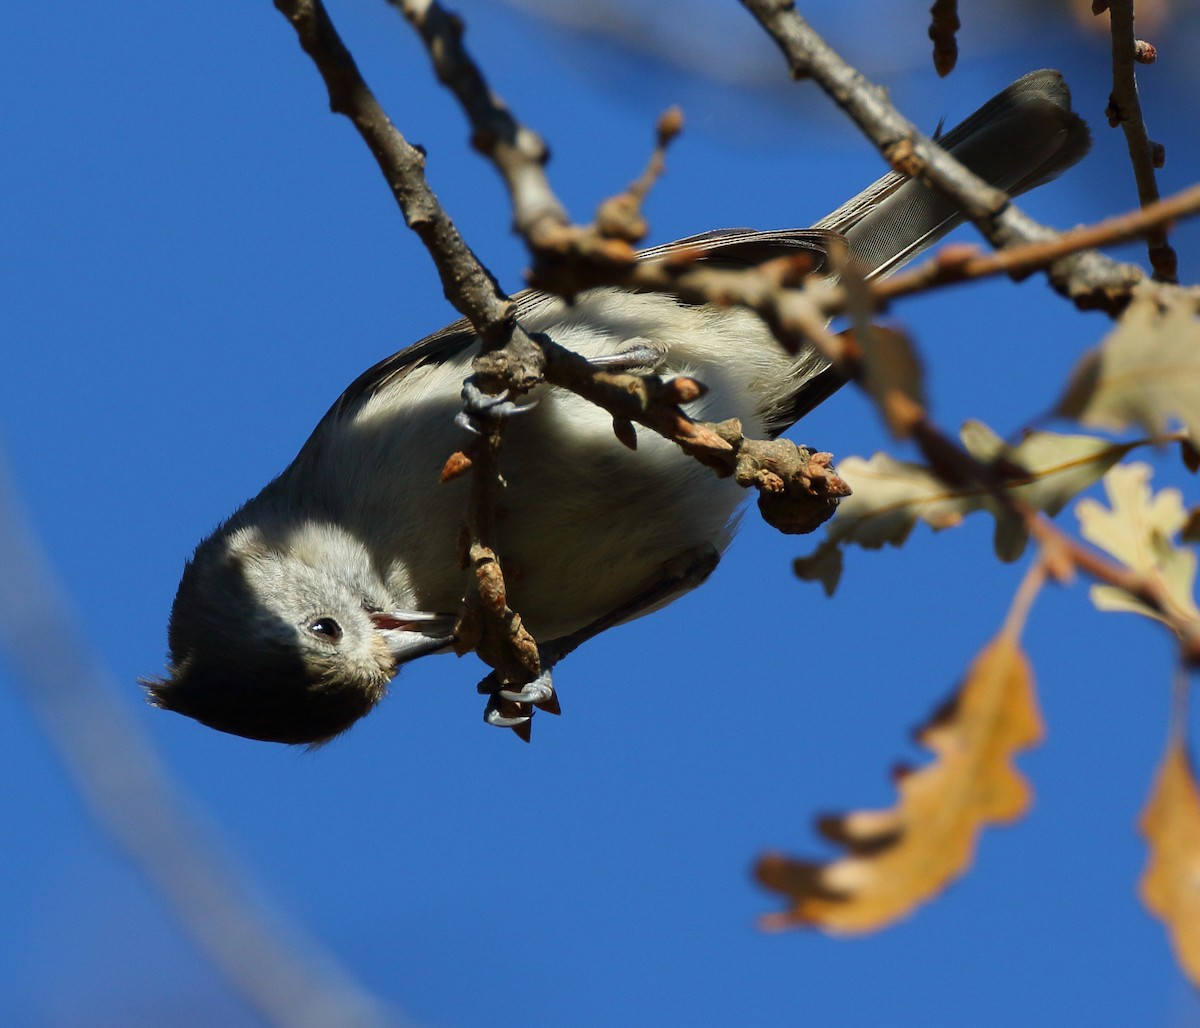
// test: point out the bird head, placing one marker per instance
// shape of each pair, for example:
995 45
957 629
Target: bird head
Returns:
287 635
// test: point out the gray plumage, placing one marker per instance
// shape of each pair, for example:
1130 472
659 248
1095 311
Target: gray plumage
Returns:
294 615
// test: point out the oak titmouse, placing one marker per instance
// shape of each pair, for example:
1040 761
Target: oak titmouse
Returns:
292 618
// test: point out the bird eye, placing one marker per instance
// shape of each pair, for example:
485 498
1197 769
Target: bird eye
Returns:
327 628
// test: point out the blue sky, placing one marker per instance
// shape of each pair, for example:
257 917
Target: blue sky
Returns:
199 257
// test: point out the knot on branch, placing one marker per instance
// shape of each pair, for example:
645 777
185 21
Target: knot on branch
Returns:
514 367
903 157
798 490
1093 282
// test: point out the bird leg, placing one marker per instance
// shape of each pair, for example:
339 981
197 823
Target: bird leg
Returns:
514 708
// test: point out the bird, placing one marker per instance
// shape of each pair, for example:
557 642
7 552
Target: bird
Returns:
292 618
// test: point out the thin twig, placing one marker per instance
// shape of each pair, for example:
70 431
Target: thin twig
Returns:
943 32
519 156
518 152
1125 109
467 284
1061 553
798 489
1022 602
1089 279
1064 551
960 264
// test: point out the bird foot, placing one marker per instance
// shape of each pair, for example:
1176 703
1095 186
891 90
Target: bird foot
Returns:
478 405
514 707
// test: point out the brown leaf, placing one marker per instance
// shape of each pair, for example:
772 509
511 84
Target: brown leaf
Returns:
457 464
1190 533
902 857
1190 455
1170 885
823 565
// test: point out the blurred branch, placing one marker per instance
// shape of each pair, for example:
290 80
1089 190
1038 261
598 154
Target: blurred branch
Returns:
1125 109
287 978
1061 553
943 33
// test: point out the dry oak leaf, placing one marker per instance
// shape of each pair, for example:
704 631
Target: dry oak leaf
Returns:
1138 530
1170 885
890 496
1145 372
902 857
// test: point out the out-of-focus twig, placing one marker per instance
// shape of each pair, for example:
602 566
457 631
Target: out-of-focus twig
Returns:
943 33
1125 109
286 977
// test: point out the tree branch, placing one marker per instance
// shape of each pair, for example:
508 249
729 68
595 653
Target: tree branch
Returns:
517 152
1090 279
966 263
467 284
1125 109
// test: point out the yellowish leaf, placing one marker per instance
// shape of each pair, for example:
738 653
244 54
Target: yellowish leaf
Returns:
902 857
890 497
1138 529
1044 470
1146 372
1170 885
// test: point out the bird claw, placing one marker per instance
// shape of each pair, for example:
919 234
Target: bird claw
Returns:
478 405
514 707
540 690
501 713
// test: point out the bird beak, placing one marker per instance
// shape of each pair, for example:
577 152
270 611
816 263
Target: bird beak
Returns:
412 633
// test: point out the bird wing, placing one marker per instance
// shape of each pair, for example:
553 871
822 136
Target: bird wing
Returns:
732 247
